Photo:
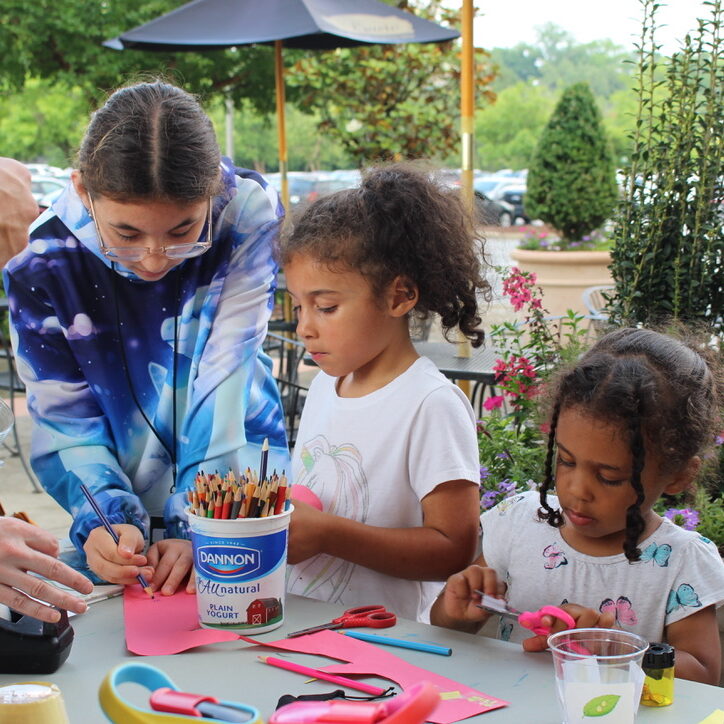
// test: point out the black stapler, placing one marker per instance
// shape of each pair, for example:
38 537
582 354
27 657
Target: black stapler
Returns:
31 646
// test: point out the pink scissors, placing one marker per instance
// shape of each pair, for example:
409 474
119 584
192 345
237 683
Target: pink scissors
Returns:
375 616
528 619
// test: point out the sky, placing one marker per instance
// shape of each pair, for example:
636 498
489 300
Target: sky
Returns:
504 23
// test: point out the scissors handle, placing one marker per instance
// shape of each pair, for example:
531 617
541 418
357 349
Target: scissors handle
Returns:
532 619
378 619
360 611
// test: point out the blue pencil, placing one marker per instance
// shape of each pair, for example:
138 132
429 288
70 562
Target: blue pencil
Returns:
111 532
401 643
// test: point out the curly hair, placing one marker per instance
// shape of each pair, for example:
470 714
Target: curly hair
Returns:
150 140
403 222
663 393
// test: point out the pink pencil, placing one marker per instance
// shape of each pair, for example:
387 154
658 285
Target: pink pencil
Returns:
317 674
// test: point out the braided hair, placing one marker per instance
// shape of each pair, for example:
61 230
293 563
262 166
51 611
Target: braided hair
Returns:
661 391
403 222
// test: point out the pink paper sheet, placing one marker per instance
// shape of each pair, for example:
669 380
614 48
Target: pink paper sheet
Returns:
165 624
457 700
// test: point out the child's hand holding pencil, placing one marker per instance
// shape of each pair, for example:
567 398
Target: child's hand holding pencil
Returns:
120 562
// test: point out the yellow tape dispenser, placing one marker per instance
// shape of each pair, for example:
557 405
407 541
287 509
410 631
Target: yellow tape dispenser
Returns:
168 704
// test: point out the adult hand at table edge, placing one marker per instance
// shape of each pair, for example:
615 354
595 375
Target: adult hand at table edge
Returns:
18 208
25 547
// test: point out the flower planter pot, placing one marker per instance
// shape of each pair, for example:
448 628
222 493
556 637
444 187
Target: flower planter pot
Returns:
563 275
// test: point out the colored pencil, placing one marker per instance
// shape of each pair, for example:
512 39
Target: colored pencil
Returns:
400 643
323 675
112 533
264 459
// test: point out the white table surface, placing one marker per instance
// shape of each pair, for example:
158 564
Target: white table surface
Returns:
230 670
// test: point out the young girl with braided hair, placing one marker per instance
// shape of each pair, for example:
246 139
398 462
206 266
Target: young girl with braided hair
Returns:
385 441
629 422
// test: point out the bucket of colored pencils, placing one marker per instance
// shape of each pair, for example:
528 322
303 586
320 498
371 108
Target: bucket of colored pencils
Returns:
239 536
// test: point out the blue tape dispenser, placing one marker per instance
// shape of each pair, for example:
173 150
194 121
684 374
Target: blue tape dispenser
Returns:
168 704
31 646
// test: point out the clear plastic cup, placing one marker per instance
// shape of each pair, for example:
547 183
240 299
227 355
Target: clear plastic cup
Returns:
598 674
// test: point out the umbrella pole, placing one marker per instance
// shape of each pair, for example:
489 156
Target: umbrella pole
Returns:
281 123
467 136
282 140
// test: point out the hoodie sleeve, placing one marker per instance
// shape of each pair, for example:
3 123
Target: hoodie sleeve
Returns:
71 441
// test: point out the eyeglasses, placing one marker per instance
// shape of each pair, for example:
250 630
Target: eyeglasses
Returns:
138 253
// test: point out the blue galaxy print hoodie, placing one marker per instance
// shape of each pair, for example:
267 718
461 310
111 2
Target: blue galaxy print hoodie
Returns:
71 310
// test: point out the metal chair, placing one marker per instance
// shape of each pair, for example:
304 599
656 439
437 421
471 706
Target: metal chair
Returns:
11 382
595 300
288 353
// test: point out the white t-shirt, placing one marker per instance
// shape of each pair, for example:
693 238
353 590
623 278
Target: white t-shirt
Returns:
680 571
372 459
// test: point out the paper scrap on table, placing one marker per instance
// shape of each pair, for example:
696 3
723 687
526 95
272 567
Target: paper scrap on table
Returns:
165 624
457 700
716 717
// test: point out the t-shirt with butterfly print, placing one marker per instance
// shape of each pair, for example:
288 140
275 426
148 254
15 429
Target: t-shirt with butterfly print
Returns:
680 571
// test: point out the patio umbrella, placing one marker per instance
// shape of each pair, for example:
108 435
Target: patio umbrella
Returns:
307 24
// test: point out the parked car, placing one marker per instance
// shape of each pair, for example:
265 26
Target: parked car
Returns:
307 186
515 195
42 185
493 213
46 201
510 189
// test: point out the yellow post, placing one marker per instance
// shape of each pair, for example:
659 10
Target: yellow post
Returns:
282 141
281 127
467 132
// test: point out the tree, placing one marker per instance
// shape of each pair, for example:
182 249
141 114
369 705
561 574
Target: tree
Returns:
61 42
390 101
255 141
43 123
668 257
571 182
507 132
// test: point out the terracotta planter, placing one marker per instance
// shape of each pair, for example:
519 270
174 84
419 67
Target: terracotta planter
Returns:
563 275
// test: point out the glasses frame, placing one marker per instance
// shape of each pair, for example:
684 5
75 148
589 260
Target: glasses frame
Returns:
111 252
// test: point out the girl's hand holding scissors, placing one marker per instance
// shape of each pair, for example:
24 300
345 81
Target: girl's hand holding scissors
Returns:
457 606
582 618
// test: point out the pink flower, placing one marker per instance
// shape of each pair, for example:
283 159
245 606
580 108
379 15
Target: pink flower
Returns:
493 403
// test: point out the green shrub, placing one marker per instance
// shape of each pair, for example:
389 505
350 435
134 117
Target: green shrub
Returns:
571 181
668 243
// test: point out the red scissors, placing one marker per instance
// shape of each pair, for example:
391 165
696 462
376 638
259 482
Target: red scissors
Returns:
375 616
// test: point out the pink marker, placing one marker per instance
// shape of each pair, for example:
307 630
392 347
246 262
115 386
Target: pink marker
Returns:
301 492
318 674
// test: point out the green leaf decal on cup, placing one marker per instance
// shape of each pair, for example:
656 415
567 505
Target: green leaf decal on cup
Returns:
601 705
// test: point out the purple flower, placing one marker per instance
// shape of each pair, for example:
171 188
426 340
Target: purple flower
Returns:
484 472
685 517
506 486
488 499
502 455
